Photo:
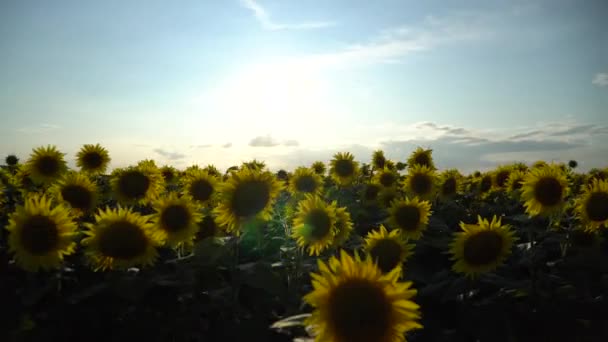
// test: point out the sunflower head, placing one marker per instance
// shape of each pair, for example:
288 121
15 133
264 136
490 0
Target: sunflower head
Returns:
344 168
344 225
93 159
176 219
319 168
544 190
207 227
46 165
378 160
213 171
501 176
421 157
515 182
592 205
481 247
22 180
314 225
388 250
119 239
170 174
137 184
400 166
254 165
450 183
77 191
283 175
40 234
11 160
386 178
370 193
484 185
539 164
245 195
305 181
420 181
411 216
354 301
572 164
199 186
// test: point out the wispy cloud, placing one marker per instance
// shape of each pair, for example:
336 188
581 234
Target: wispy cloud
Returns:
42 128
600 79
263 17
201 146
227 145
263 141
291 142
169 154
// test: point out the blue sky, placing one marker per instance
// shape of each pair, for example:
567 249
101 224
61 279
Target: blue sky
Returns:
290 82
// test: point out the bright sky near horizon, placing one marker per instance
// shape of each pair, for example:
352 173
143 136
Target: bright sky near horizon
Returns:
291 82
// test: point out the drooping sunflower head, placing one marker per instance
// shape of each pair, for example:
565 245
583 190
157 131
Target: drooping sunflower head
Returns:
176 219
245 195
544 190
137 184
481 247
501 176
354 301
283 175
515 182
344 225
305 181
450 183
388 250
120 239
93 159
421 157
319 168
199 186
378 160
77 191
344 168
40 234
411 216
46 165
420 182
255 165
592 205
11 160
386 178
370 193
314 224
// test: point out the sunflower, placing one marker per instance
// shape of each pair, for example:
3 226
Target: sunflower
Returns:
370 193
592 205
386 178
378 160
514 183
387 196
344 168
354 301
421 157
410 216
388 250
344 225
120 239
137 184
247 194
22 180
400 166
93 159
544 190
46 164
481 247
212 170
170 174
283 175
199 186
319 168
501 176
305 181
539 164
314 225
176 219
450 183
207 227
254 165
11 160
420 181
41 235
77 191
484 185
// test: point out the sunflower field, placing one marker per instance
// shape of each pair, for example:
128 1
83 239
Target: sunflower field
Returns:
343 251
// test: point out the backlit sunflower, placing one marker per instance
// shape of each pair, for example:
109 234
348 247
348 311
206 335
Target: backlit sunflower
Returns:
22 181
378 160
40 234
370 193
420 182
46 165
77 191
176 219
386 178
319 168
120 239
170 174
305 181
388 250
481 247
137 184
199 186
245 195
450 184
354 301
484 185
592 205
344 225
212 170
93 159
421 157
410 216
544 190
314 224
501 177
343 168
515 182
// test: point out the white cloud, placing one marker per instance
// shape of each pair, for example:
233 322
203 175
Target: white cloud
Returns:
263 141
263 17
170 155
600 79
37 129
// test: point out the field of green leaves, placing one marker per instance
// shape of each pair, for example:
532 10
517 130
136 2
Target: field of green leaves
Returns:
339 251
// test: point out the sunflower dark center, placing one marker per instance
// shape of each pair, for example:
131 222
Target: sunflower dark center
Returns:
318 224
306 184
92 160
359 311
207 228
502 177
421 184
133 184
387 179
448 187
39 235
319 168
175 218
486 184
344 168
482 248
77 196
387 253
201 190
282 175
371 192
122 240
250 198
423 159
12 160
597 206
408 217
517 184
168 175
48 165
548 191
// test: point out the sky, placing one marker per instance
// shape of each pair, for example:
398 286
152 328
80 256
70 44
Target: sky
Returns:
482 83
